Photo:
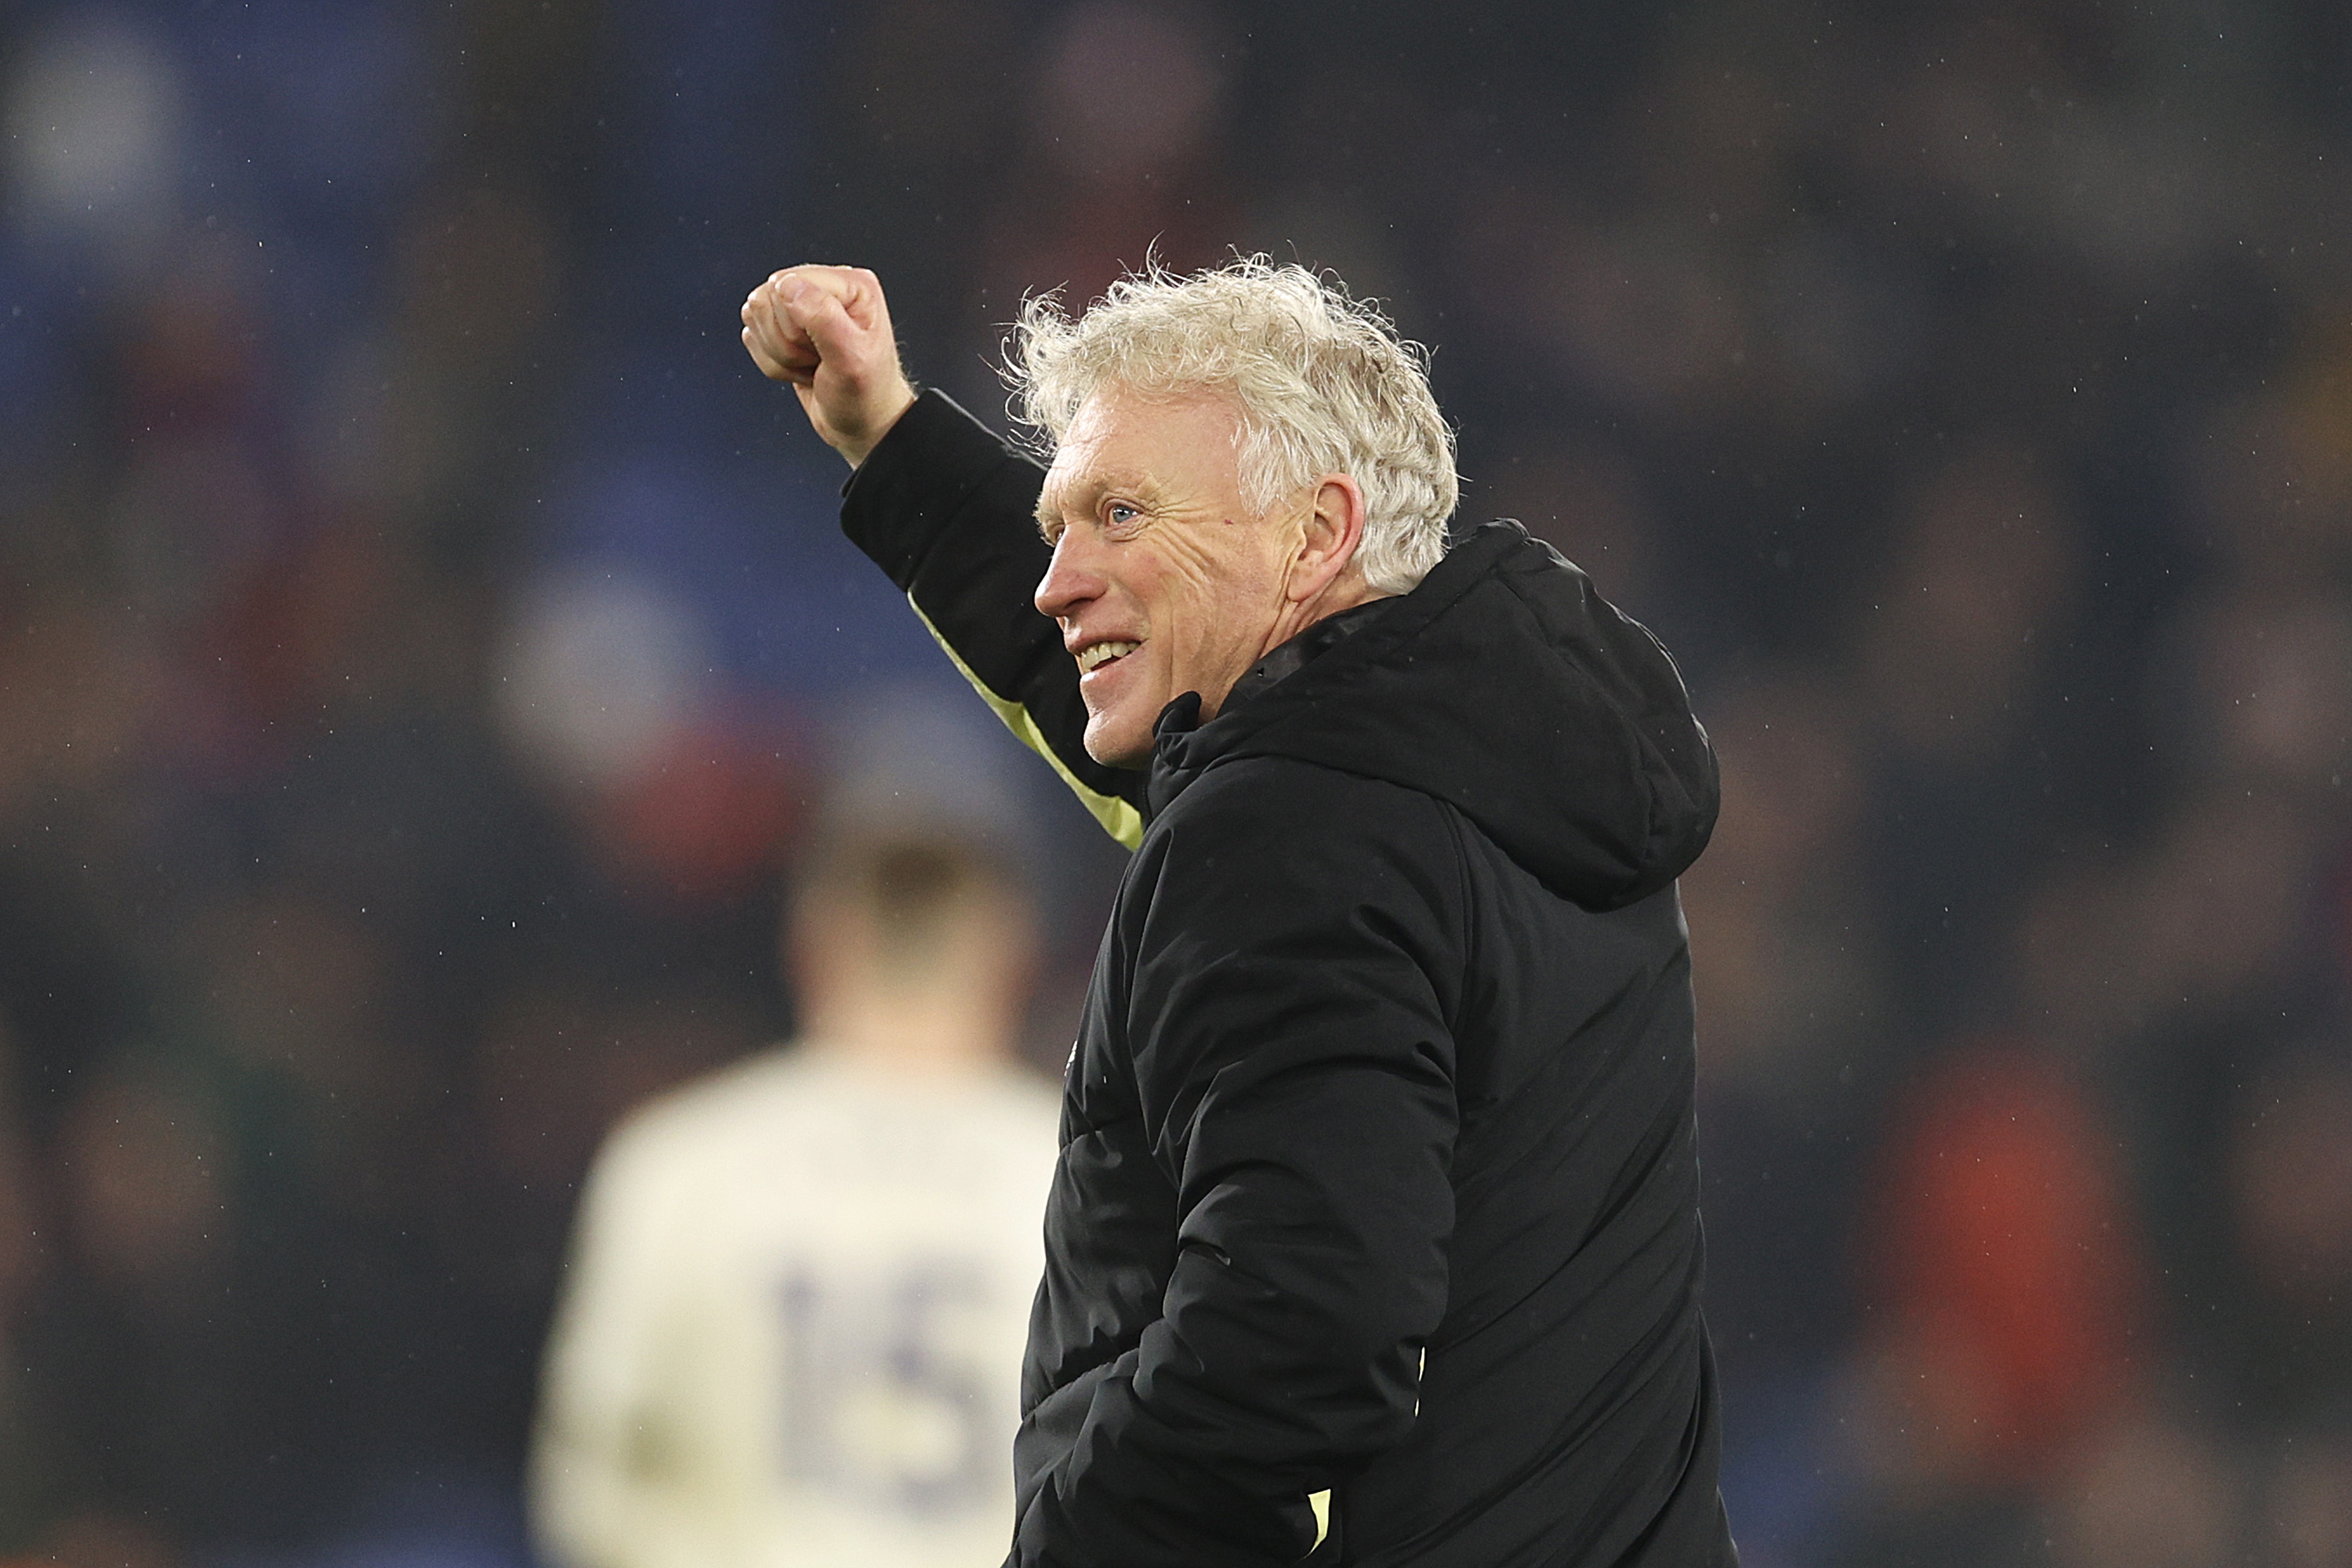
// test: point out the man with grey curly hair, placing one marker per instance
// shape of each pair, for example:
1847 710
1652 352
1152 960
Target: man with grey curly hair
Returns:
1374 1234
1322 383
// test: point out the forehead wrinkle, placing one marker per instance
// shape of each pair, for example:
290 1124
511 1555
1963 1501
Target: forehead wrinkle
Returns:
1051 493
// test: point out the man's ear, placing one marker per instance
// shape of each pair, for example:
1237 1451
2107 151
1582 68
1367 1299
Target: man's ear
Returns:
1333 530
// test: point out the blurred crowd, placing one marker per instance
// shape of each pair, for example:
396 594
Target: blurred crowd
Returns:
424 644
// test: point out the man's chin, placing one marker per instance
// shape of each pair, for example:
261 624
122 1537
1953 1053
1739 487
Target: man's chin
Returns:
1116 744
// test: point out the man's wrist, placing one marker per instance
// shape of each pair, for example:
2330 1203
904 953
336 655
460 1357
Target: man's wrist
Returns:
904 399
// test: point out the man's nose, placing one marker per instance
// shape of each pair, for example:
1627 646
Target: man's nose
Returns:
1071 579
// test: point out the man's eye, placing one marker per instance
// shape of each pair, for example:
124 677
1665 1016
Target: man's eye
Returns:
1118 514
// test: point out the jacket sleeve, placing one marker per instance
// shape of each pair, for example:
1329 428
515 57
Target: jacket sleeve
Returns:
1296 1063
950 512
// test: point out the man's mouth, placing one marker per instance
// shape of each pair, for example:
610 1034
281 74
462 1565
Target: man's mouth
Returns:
1094 656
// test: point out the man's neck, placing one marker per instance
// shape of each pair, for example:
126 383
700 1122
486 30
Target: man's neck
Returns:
1346 593
1289 657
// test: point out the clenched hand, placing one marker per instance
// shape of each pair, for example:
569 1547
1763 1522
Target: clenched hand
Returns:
826 329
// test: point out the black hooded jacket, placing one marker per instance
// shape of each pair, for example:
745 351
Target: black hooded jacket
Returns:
1375 1236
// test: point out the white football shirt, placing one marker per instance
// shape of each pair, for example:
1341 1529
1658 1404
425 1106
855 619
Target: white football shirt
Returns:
792 1328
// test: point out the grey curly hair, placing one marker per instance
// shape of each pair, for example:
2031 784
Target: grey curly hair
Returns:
1323 383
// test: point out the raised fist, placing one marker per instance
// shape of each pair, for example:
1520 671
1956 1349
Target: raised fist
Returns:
826 329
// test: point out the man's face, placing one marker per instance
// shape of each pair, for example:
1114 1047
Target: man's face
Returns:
1164 579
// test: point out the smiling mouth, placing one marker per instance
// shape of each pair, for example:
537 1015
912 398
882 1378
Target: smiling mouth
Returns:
1095 655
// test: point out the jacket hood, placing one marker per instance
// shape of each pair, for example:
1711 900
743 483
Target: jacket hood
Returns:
1506 686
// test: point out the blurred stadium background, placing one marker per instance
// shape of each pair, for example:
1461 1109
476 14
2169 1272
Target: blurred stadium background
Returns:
425 641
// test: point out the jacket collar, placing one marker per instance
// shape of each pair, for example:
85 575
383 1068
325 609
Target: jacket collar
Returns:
1292 655
1169 774
1177 760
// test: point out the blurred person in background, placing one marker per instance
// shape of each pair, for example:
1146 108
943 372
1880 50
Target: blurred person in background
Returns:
1376 1232
791 1328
